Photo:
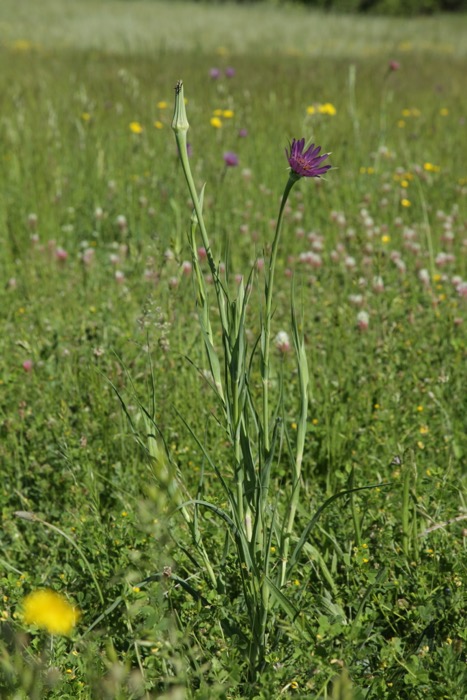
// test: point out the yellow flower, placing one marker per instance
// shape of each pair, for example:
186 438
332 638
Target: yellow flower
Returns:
430 168
404 183
21 45
218 112
85 116
311 109
444 112
162 104
135 128
385 239
405 202
51 611
227 113
158 125
401 123
327 108
216 122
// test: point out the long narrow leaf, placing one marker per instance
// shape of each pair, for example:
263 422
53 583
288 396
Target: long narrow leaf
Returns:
306 532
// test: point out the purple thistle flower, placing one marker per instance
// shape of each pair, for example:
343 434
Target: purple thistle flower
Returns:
243 133
230 159
214 73
230 72
308 163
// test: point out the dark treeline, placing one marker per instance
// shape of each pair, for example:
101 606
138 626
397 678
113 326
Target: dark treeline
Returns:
382 7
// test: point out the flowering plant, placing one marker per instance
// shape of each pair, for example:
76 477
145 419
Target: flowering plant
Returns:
252 519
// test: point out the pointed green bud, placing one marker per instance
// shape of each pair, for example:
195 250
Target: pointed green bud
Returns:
180 121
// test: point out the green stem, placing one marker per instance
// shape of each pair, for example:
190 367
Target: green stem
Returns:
180 137
265 347
406 511
266 335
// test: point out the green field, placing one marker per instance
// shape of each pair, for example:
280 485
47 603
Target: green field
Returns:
221 521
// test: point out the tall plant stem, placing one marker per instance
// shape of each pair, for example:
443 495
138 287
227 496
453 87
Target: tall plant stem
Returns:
266 331
303 375
180 126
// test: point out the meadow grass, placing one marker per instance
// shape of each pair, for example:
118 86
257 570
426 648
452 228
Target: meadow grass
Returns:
111 428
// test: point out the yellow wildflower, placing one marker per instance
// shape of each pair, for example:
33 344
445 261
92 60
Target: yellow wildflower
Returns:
135 128
227 113
327 108
216 122
158 124
444 112
162 104
21 45
51 611
406 202
85 116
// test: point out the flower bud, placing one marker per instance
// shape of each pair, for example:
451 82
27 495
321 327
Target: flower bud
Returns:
180 122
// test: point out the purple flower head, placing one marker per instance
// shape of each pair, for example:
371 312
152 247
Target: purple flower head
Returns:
230 72
214 73
308 163
230 159
242 133
394 65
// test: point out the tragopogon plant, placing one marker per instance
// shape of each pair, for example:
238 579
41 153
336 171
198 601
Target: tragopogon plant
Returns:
255 523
